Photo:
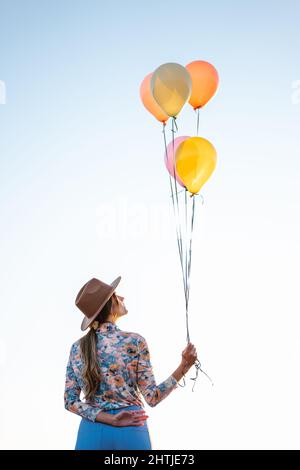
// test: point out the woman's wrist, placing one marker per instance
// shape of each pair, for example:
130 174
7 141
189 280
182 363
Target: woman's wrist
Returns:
181 370
106 418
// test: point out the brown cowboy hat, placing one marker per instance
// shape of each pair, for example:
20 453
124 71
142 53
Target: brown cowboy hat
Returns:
92 297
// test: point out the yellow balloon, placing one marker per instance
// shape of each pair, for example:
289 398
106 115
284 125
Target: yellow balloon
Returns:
196 159
171 87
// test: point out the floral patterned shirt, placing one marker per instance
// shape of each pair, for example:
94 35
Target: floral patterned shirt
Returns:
126 372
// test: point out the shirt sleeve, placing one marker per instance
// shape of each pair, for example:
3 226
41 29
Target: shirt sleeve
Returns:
72 394
152 393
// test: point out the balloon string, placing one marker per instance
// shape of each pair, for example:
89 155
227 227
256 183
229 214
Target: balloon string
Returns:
189 256
183 378
198 367
174 124
180 191
172 195
197 363
173 202
177 215
192 194
191 238
188 262
197 112
186 271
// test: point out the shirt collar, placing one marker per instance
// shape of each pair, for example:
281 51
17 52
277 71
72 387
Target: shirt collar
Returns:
107 326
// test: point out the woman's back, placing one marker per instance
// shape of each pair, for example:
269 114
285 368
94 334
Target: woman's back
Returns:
126 374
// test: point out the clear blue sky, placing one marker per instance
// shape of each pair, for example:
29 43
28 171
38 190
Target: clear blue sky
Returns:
76 141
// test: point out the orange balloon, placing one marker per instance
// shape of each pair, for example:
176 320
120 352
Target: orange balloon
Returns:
149 102
205 81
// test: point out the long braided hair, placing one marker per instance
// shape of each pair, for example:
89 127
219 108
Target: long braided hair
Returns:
88 348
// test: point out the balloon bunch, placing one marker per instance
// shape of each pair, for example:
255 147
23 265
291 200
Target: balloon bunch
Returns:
190 161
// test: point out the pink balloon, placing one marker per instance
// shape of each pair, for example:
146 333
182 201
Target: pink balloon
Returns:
169 157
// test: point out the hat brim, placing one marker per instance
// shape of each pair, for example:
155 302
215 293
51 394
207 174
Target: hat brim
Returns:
87 321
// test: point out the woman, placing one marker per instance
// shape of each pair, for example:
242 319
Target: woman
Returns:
114 370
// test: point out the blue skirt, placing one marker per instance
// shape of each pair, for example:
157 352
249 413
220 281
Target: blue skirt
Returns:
99 436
